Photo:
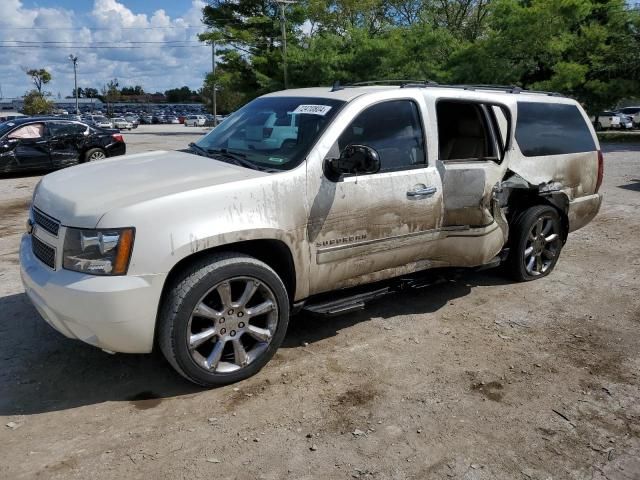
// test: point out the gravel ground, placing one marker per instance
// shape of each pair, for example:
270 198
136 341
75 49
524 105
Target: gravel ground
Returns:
474 378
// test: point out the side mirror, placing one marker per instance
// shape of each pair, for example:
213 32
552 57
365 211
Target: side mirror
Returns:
355 159
8 144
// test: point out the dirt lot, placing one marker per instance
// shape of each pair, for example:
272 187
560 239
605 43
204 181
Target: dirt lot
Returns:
475 378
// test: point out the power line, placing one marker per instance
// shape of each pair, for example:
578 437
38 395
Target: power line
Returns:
67 47
184 27
72 43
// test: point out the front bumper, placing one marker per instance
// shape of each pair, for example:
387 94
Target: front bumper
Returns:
112 313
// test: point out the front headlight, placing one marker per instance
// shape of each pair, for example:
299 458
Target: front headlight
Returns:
98 252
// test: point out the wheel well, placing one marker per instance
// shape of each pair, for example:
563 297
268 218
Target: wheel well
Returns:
274 253
522 199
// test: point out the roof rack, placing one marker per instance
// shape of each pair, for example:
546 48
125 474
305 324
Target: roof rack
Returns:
402 83
428 83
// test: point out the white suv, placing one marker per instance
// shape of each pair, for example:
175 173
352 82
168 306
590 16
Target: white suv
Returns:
207 254
194 121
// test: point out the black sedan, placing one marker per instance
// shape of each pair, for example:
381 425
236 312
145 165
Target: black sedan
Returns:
49 143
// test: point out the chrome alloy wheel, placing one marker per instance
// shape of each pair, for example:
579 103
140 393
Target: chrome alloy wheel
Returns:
232 325
99 155
543 245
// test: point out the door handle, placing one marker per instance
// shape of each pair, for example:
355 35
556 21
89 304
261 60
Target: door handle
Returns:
422 192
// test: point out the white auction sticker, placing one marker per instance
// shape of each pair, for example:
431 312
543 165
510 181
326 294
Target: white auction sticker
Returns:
313 109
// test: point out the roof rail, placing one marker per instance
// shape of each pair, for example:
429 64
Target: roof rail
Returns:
515 89
402 83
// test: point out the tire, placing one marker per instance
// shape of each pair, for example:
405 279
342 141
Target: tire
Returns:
94 154
527 243
201 342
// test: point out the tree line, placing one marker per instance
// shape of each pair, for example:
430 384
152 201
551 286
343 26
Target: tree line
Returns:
587 49
37 100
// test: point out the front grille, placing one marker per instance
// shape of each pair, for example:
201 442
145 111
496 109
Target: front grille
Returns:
43 252
51 225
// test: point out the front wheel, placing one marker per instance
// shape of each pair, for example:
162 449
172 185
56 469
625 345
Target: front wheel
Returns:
536 242
223 319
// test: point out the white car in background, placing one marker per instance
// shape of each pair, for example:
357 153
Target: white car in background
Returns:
102 122
122 123
607 120
194 121
634 113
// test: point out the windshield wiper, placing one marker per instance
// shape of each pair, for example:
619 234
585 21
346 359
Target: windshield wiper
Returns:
225 155
198 149
236 157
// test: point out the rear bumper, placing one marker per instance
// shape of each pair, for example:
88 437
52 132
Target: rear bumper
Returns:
112 313
582 210
116 149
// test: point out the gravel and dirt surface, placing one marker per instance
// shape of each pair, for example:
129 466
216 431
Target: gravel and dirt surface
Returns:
473 378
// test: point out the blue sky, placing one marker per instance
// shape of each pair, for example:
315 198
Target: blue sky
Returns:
123 39
172 7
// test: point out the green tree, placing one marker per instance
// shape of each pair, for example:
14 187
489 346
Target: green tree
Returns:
36 104
91 92
583 48
180 95
587 49
132 91
39 77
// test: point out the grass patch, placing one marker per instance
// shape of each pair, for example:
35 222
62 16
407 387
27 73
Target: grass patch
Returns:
619 137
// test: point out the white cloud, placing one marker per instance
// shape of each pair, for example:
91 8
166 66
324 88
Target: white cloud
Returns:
155 67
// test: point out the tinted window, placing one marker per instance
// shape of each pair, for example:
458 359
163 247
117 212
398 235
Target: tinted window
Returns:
552 129
64 128
392 129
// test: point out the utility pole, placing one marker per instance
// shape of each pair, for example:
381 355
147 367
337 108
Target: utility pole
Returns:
283 20
74 59
214 86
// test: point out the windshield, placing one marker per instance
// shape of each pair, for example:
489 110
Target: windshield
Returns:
5 127
275 133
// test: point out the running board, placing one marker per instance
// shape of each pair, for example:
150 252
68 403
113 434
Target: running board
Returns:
346 304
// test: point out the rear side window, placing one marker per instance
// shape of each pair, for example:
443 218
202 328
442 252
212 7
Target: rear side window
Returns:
64 128
552 129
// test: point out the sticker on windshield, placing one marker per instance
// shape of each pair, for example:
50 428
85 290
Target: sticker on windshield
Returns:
313 109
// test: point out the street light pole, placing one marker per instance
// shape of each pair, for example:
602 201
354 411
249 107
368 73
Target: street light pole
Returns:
214 86
75 79
283 21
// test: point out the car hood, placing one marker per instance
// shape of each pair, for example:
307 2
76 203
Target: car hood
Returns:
79 196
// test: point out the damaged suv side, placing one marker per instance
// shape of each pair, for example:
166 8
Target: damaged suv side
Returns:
206 254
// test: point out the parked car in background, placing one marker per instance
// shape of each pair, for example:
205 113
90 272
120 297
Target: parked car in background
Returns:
121 123
12 116
634 112
133 119
99 121
50 142
173 120
626 121
195 121
606 121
